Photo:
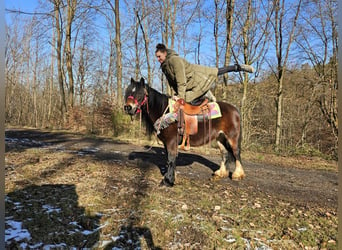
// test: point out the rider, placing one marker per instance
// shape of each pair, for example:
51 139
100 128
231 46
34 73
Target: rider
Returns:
191 82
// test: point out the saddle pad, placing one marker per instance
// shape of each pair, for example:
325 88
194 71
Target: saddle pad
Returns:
215 111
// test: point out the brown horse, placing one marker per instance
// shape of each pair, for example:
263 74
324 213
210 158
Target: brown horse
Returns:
226 130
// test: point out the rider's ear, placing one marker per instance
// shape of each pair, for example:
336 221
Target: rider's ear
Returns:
142 81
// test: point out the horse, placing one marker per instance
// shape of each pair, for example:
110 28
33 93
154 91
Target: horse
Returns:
139 97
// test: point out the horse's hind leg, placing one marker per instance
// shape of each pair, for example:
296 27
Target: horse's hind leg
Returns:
222 171
230 151
234 149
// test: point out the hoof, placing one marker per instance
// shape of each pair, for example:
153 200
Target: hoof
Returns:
166 183
221 173
215 177
238 177
185 148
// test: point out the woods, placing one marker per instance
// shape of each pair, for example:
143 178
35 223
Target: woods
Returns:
69 61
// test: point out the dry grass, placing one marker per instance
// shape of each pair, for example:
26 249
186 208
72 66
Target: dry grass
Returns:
304 162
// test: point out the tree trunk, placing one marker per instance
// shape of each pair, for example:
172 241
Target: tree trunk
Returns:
51 78
279 110
35 86
173 22
81 73
216 26
147 43
118 52
244 109
229 28
136 47
59 55
144 30
282 61
70 17
110 66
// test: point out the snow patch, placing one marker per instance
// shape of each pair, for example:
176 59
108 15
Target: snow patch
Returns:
16 232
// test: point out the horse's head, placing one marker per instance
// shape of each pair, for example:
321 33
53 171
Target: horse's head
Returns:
135 97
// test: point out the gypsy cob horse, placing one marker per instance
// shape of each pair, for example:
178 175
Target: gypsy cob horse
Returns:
139 97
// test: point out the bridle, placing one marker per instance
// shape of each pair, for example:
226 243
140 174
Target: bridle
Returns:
143 102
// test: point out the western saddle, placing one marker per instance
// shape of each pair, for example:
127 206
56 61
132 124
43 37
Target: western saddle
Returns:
187 122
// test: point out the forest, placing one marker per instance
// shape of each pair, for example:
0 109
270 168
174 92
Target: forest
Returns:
68 63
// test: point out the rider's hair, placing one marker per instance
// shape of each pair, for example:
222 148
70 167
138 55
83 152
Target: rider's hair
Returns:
160 47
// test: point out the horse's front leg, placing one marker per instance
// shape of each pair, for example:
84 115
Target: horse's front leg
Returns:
169 177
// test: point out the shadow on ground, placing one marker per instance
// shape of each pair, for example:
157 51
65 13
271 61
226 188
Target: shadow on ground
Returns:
156 156
48 216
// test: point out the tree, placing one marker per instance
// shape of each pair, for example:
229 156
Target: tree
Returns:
252 33
144 29
282 54
319 28
71 9
58 36
229 30
116 10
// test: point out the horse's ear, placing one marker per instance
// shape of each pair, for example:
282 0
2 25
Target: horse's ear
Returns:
142 81
132 80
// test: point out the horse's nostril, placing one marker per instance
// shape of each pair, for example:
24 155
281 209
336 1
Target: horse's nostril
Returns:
127 108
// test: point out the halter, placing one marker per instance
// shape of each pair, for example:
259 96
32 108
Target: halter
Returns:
144 101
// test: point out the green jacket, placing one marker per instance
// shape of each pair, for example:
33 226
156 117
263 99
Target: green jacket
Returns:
189 81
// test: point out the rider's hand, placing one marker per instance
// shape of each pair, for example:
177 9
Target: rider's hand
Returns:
175 98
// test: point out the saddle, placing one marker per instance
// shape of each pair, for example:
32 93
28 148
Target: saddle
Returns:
188 119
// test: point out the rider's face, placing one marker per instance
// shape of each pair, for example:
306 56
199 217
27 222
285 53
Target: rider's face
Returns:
161 56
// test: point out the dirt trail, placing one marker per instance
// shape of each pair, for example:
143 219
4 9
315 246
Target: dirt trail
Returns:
299 186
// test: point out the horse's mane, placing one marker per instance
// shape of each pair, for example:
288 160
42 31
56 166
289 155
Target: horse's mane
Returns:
157 103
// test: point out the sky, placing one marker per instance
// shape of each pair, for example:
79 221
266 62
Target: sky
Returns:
22 5
29 6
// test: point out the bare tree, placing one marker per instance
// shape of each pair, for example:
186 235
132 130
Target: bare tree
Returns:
217 18
59 36
136 43
168 10
252 30
117 41
71 9
320 26
144 29
229 28
282 54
